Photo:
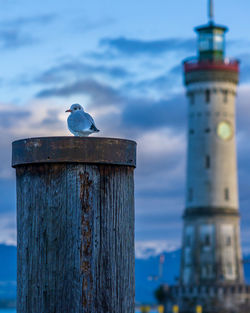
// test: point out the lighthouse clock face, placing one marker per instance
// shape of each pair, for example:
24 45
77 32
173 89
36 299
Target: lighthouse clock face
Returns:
225 130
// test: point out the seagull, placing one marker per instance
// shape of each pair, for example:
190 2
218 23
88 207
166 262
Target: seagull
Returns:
80 123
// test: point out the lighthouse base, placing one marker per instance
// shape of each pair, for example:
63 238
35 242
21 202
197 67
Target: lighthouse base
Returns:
228 298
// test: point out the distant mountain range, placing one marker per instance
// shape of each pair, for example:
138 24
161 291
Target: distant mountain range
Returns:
7 272
146 272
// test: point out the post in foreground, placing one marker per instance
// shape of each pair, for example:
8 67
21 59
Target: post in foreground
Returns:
75 225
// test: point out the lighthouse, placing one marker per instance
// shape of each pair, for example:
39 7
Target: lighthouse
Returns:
211 239
211 274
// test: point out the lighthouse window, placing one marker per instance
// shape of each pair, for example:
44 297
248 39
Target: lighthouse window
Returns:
188 241
207 130
205 42
226 194
207 271
191 131
228 241
191 97
207 241
207 161
218 42
207 95
225 96
229 269
204 271
190 194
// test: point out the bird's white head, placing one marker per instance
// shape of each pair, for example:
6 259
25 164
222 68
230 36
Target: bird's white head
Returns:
74 108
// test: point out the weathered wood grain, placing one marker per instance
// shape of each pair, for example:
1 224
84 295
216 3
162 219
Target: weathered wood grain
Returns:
75 227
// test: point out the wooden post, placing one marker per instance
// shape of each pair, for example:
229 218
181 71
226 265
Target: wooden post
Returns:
75 225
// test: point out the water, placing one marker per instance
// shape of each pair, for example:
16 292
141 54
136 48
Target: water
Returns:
14 311
153 311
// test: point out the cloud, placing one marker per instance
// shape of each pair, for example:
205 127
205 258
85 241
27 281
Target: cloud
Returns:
78 70
9 117
99 93
83 25
11 122
243 114
244 67
243 149
106 55
135 113
32 120
52 120
28 21
12 35
8 195
161 83
159 127
8 228
14 38
149 113
159 184
160 148
134 47
29 121
146 249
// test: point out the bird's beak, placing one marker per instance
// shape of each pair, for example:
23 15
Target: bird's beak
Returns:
68 110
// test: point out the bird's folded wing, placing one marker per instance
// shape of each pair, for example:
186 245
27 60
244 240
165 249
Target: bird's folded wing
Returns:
90 119
79 122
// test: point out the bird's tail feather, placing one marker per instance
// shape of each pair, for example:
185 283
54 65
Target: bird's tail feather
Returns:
93 127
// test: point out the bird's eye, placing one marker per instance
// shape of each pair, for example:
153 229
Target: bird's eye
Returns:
75 108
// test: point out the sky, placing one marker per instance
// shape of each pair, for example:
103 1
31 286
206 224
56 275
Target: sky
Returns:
122 60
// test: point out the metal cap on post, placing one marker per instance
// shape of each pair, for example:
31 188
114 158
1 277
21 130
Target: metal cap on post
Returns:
75 224
92 150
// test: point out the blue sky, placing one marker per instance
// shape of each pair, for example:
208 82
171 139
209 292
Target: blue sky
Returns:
122 61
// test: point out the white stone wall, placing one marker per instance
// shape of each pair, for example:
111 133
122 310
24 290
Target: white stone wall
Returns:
211 251
228 253
211 241
207 187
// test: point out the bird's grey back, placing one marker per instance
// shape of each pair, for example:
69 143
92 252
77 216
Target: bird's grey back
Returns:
89 117
78 121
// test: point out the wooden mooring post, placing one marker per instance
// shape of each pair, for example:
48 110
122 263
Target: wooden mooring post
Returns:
75 225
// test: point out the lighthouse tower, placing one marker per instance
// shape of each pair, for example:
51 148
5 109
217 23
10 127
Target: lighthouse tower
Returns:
211 265
211 275
211 239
